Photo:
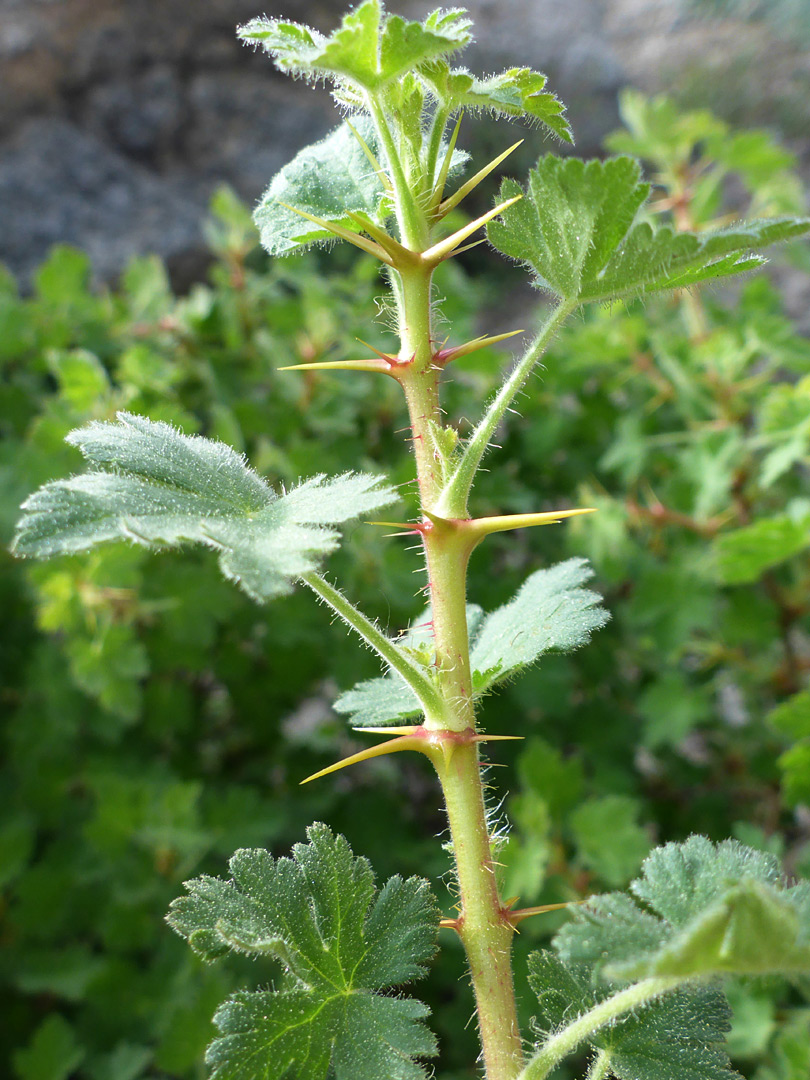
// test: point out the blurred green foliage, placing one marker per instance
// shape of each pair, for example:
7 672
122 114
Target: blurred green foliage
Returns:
147 734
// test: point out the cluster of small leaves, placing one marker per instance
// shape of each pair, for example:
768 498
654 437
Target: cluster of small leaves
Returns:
340 943
551 612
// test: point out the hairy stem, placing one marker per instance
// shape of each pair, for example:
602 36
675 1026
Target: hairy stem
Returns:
575 1033
600 1066
453 502
383 645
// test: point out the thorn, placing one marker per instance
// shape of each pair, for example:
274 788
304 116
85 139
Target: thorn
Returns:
481 527
403 742
446 248
441 180
375 164
444 356
372 364
390 360
345 234
385 240
524 913
451 924
389 731
474 181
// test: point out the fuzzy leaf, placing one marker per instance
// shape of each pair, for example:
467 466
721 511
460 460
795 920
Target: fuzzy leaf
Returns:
517 92
718 909
150 484
550 612
574 229
369 49
341 943
329 180
681 1035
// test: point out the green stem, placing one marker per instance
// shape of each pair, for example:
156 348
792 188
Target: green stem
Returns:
454 497
422 686
578 1031
413 226
600 1066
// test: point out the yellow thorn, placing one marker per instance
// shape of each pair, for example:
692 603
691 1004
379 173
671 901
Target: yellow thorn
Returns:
345 234
441 180
446 355
387 730
383 356
384 239
375 164
525 913
445 248
372 364
404 742
474 181
482 527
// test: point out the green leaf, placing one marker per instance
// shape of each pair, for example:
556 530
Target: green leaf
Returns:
608 837
792 717
341 942
370 49
52 1054
150 484
330 179
517 92
718 909
745 554
681 1035
574 229
550 612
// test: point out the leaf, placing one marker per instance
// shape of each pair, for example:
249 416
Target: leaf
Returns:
608 837
680 1035
517 92
574 229
370 49
716 909
792 717
550 612
52 1054
150 484
743 555
341 943
329 179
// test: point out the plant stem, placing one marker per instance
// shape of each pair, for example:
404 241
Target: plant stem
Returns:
415 677
600 1066
483 925
567 1040
453 502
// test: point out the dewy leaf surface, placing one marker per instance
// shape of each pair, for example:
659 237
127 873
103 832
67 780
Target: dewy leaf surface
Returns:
342 944
551 611
575 230
149 483
369 49
681 1035
329 179
709 910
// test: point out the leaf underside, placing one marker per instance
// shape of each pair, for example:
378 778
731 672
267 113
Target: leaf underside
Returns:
575 229
342 944
551 611
150 484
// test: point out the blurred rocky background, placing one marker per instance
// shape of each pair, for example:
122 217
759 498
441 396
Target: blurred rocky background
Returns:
118 118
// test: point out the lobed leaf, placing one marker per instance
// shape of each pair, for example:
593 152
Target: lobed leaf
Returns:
370 48
330 179
341 943
551 612
575 230
150 484
743 555
682 1034
714 909
517 92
